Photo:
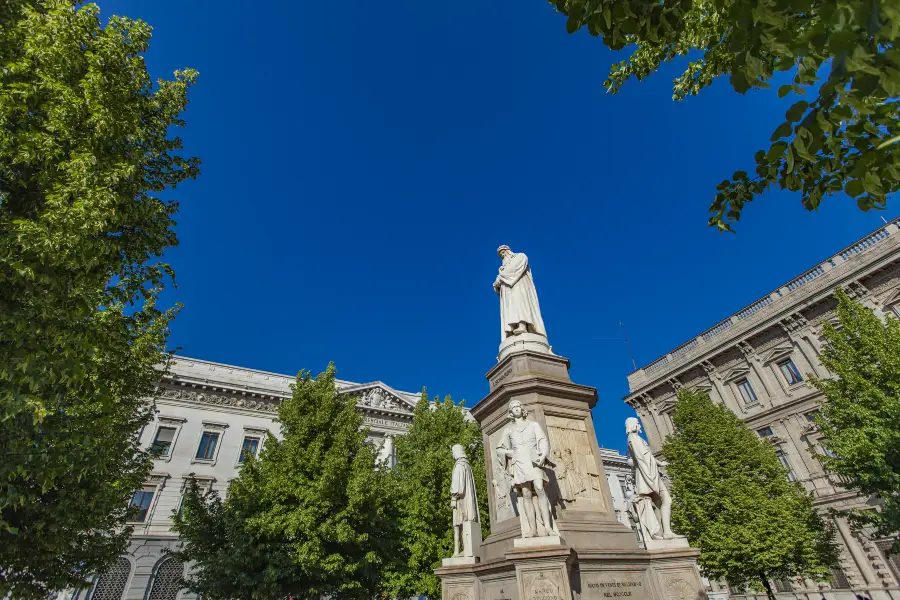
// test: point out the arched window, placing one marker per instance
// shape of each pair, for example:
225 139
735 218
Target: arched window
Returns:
165 584
111 584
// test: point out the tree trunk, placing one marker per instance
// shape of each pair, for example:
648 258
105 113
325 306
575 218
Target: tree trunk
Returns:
765 581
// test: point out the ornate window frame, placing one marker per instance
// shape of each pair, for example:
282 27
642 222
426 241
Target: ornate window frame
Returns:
171 422
251 432
158 482
210 427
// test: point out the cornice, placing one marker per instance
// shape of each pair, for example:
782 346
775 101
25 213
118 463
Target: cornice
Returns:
782 305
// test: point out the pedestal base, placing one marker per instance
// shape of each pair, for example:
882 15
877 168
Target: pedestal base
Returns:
457 561
676 542
538 542
559 573
534 342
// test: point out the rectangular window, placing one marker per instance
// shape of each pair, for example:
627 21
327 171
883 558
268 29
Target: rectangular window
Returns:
162 445
790 372
141 501
765 432
812 415
249 448
839 580
207 449
747 392
787 465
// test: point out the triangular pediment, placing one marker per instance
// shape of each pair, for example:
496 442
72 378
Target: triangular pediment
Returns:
736 372
893 297
780 351
379 396
703 386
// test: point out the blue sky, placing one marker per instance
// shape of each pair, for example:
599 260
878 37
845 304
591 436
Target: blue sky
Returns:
363 161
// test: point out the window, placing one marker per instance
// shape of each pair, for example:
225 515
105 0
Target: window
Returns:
783 459
893 560
839 580
141 502
747 392
790 372
248 448
783 585
111 584
162 444
207 448
812 415
765 432
165 584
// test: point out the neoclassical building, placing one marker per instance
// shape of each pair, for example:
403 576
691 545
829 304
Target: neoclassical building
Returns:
757 362
209 418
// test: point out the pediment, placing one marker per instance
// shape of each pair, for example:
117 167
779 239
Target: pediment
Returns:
379 396
704 386
736 372
780 351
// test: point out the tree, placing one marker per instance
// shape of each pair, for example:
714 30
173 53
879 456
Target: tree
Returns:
860 417
422 474
85 152
312 517
842 55
733 500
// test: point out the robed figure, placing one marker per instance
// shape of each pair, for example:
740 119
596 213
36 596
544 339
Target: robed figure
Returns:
519 308
650 493
464 501
523 450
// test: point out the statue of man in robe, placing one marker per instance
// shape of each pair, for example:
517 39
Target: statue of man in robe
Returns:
464 502
650 493
522 450
519 308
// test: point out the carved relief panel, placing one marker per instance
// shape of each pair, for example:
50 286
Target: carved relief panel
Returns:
575 464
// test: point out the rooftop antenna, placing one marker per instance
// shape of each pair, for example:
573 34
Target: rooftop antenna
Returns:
627 345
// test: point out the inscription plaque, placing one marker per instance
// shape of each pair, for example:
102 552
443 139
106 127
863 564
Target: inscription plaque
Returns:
603 586
543 587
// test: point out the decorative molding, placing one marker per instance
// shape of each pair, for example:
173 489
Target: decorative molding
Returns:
217 400
737 372
379 396
778 352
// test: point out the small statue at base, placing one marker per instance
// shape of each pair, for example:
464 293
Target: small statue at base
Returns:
650 493
464 502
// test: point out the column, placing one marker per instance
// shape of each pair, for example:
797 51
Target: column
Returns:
859 556
810 351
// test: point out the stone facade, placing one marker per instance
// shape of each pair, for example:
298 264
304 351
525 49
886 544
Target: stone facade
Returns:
757 363
199 401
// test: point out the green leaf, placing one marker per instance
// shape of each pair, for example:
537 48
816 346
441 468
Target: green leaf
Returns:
784 90
854 188
783 130
795 112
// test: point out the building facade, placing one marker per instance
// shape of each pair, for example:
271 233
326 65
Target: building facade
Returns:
209 418
757 363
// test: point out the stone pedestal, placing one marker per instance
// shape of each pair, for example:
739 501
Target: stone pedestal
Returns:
594 556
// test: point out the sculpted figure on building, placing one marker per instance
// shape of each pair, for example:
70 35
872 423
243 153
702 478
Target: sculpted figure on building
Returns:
522 450
651 494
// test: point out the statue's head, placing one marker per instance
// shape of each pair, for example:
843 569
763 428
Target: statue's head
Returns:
516 410
632 425
504 251
458 451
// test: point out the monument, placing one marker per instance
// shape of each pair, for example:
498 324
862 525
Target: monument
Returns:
464 502
651 505
553 530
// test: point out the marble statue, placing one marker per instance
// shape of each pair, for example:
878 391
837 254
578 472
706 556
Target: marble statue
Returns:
464 502
650 493
519 308
522 450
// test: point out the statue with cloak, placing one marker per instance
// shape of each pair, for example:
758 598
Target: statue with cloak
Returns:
650 493
519 308
464 502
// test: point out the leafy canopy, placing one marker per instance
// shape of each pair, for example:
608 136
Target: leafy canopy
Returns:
860 417
732 499
85 152
312 517
843 61
422 474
